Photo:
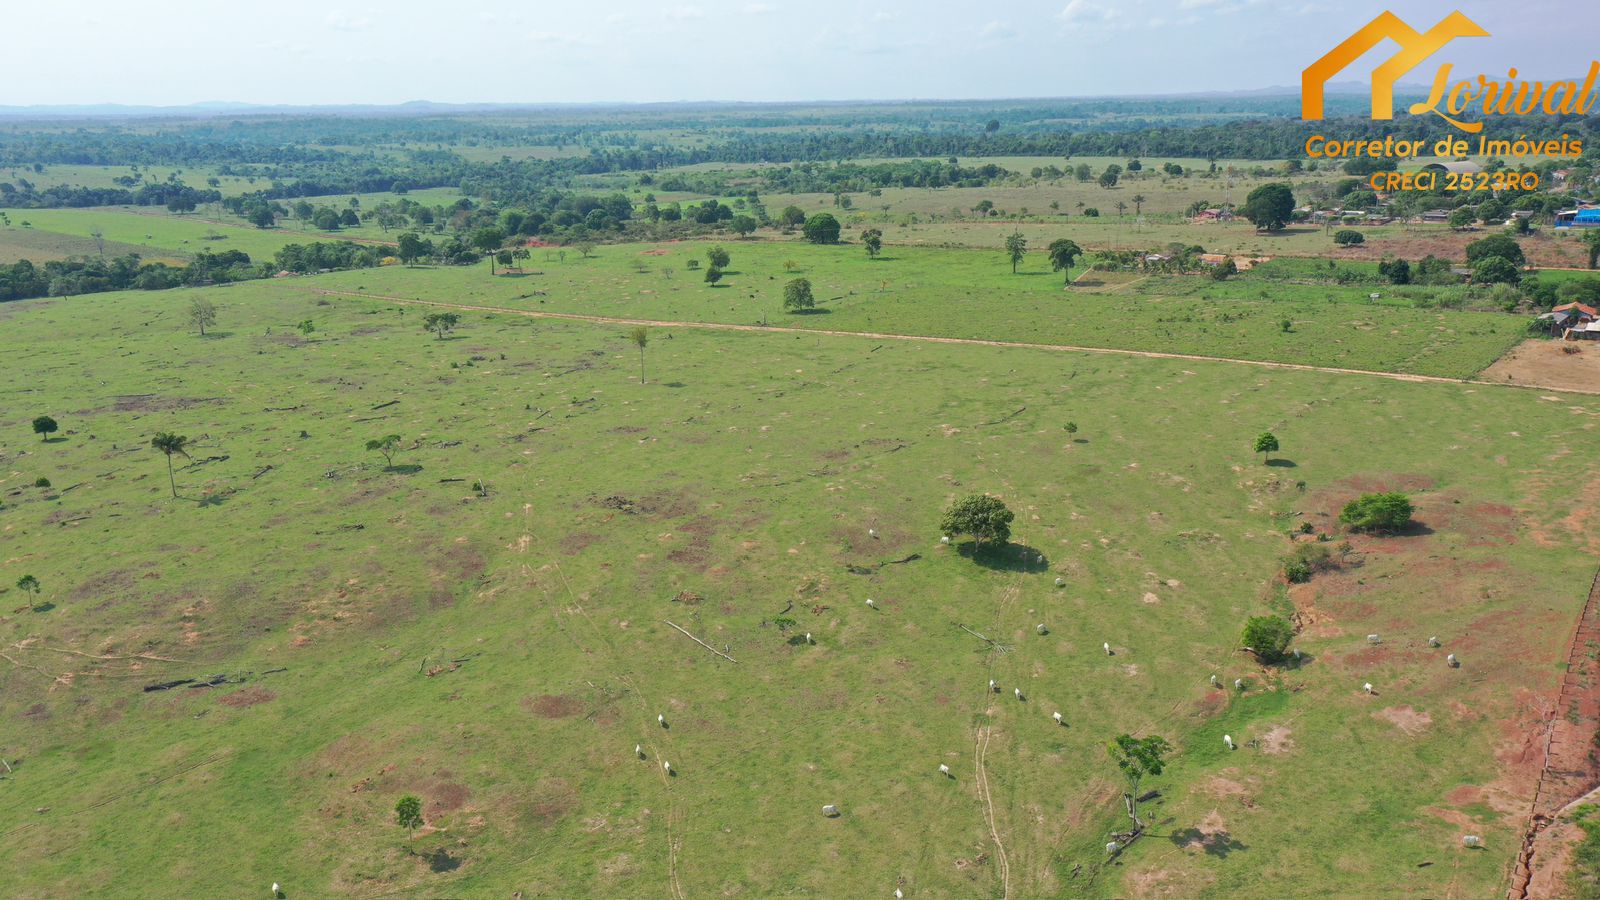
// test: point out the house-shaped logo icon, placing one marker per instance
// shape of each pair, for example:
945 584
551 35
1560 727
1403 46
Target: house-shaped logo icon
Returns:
1414 48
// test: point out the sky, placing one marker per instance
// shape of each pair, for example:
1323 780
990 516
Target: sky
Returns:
316 52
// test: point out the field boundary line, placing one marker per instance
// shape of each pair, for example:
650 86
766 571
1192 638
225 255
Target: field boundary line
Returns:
1544 810
934 339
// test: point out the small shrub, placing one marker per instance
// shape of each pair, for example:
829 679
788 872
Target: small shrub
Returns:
41 481
1306 561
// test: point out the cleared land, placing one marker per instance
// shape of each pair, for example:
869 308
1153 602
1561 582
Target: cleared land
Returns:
501 655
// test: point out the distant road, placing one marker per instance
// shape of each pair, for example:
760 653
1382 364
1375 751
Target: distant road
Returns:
976 342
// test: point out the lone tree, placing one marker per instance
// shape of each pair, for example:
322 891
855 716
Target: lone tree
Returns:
872 238
744 226
169 443
1267 637
797 295
439 323
822 228
44 426
1347 237
408 813
1016 249
1138 758
202 313
792 216
1385 513
640 336
713 275
388 445
410 248
29 585
718 257
986 519
1063 253
1267 442
1269 207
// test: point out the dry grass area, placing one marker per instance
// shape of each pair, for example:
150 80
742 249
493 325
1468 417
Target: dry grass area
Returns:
1557 365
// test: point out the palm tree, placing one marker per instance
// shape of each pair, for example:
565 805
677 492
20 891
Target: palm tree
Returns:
1138 201
640 336
170 443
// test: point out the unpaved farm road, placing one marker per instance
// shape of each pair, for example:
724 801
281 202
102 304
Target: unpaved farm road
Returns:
930 339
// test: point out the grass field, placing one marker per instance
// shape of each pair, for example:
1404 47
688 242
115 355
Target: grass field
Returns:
154 234
501 655
972 294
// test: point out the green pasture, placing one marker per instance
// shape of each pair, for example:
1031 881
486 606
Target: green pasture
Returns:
973 294
500 652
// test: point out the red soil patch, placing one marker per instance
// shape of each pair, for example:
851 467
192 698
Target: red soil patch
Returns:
250 696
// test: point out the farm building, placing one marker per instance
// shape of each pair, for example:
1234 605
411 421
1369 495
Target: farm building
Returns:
1436 216
1578 218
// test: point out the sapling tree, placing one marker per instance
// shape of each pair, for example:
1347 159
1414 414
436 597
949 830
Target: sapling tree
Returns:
1063 253
202 314
718 257
440 322
388 446
169 443
1267 443
29 585
640 336
1016 249
44 426
1137 759
408 813
872 238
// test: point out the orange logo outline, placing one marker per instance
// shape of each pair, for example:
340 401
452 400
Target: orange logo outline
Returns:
1414 48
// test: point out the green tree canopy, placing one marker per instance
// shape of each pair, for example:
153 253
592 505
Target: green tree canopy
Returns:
1268 637
1016 249
797 295
1382 512
1267 442
982 517
1063 253
822 228
1501 245
44 426
1269 207
440 322
718 257
872 238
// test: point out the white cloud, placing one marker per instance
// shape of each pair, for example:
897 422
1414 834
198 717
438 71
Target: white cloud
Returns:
997 31
1081 12
339 20
760 9
556 37
685 13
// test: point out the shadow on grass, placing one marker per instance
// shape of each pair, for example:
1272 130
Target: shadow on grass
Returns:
1218 844
814 311
1281 463
673 384
213 500
1009 557
54 440
43 607
217 335
407 469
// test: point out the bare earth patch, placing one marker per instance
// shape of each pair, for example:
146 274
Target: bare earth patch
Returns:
550 706
1278 740
250 696
1543 363
1405 718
